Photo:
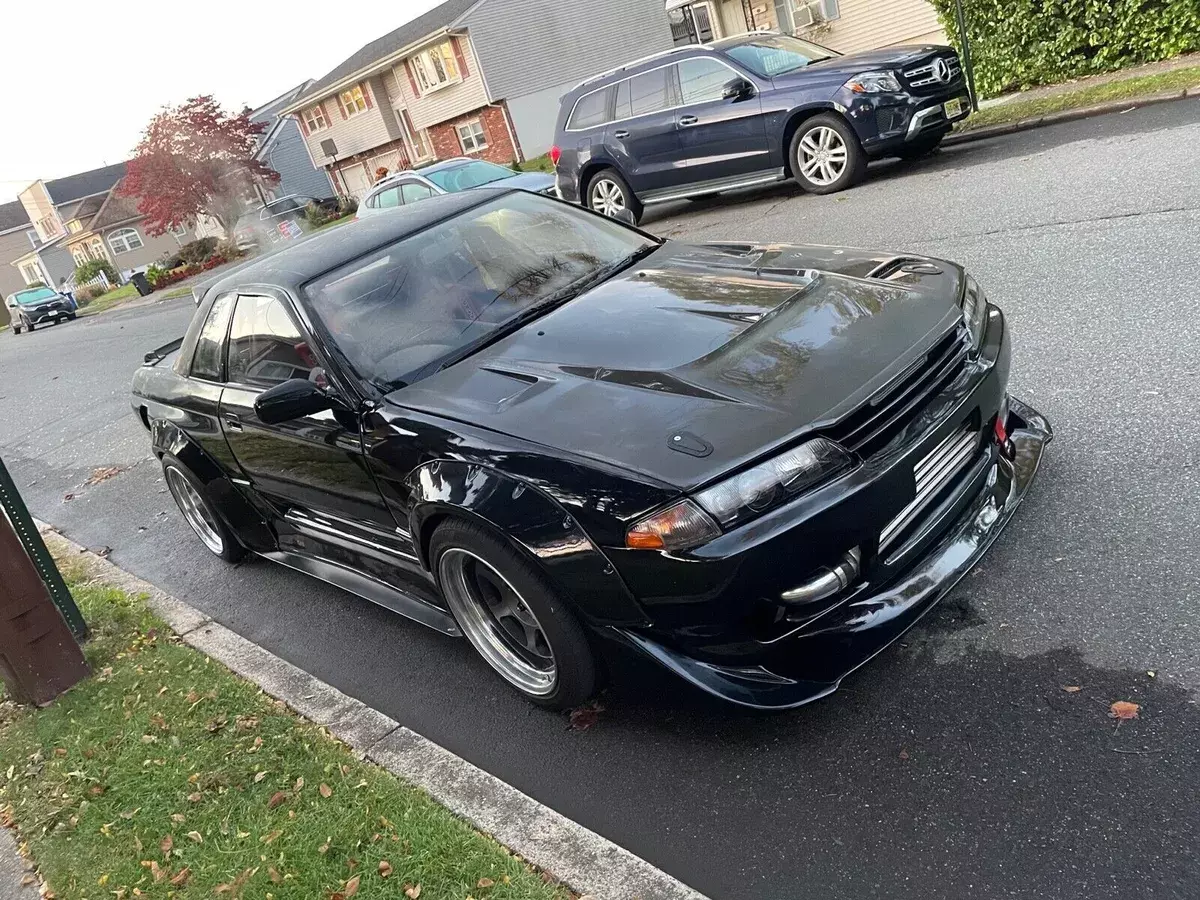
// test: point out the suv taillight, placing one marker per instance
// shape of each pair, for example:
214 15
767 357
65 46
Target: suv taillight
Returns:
555 156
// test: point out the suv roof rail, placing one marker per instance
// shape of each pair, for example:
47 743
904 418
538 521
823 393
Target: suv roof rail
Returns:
638 62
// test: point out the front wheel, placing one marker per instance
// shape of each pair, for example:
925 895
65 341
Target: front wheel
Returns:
512 616
609 194
16 329
30 327
826 155
70 317
199 513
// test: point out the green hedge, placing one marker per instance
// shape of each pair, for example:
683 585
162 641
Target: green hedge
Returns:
1022 43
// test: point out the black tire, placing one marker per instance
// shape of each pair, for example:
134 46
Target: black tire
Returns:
70 317
628 199
16 329
30 327
576 673
230 548
855 162
921 148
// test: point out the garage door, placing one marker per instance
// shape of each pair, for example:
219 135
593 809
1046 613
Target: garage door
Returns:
356 181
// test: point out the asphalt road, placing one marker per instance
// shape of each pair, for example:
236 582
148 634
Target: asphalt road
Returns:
953 766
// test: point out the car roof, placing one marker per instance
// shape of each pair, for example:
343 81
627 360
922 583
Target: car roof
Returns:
603 79
319 253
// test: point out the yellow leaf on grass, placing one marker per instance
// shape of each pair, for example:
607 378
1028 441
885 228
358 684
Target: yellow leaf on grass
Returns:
326 790
412 891
351 887
196 836
259 776
181 878
1123 709
385 868
485 883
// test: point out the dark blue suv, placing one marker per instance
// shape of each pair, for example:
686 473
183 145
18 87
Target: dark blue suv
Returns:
750 110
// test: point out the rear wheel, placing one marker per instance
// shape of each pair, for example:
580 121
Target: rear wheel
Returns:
70 317
609 194
512 616
826 156
199 513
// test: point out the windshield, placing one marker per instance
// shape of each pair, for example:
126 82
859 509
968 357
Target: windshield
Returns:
37 295
402 311
777 54
468 175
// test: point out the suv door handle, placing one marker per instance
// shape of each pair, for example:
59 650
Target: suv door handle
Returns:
233 422
621 135
687 121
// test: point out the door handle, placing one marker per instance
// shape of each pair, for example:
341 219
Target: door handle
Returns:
688 121
621 135
232 422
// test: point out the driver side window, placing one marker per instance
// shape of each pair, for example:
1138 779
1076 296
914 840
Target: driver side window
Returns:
412 191
265 346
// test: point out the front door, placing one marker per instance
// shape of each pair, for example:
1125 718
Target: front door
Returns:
311 470
643 135
721 138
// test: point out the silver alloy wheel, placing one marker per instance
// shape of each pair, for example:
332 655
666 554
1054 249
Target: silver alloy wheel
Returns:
823 155
607 197
195 510
498 622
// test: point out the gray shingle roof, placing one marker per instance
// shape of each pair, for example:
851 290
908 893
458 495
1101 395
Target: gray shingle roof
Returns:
97 181
12 215
438 17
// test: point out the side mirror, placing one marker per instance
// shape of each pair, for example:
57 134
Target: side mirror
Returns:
625 216
737 89
293 399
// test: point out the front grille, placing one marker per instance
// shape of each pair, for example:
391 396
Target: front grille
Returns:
931 475
877 422
923 76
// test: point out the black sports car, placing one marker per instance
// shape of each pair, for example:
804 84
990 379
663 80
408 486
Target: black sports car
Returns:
512 419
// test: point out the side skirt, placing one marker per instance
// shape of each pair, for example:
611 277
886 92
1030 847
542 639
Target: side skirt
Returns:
716 186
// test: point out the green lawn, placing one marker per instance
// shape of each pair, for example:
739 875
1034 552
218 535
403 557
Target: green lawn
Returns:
331 223
165 775
538 164
1127 89
115 297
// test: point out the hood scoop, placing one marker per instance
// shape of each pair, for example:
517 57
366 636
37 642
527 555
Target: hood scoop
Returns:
663 382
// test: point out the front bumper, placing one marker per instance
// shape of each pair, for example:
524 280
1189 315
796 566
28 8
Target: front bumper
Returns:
852 633
42 315
887 122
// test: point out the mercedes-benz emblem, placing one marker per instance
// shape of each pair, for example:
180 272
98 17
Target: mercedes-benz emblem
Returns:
941 70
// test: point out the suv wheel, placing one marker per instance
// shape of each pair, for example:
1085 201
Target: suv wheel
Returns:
30 327
608 194
826 156
16 328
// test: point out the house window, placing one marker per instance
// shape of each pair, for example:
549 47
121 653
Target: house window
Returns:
471 136
352 101
48 226
314 118
74 226
96 249
80 256
435 68
178 231
124 239
31 272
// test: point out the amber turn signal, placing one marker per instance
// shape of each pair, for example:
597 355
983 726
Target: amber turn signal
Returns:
674 528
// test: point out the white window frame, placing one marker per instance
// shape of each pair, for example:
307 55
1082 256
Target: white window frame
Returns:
424 72
49 227
178 231
80 255
31 272
314 114
357 96
74 226
477 142
119 240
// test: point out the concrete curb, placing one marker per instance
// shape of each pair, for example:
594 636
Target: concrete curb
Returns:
1070 115
587 863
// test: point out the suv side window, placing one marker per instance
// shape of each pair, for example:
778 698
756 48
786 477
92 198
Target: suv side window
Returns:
702 80
412 191
206 361
650 92
385 199
265 346
591 110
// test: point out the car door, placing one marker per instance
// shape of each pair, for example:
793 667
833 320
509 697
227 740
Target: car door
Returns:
311 470
644 135
720 137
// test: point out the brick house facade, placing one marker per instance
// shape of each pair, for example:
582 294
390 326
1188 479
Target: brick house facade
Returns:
496 130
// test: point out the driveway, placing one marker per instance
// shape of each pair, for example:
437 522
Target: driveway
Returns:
955 765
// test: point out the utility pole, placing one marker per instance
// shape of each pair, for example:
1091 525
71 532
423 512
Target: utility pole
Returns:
965 42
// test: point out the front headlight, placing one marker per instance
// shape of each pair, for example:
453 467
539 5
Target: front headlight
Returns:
874 83
975 305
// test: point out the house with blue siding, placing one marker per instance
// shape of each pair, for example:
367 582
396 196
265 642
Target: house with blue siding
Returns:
282 148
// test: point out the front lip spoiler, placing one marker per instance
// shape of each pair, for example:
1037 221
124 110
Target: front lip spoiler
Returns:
866 627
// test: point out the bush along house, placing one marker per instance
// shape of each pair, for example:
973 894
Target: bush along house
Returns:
478 78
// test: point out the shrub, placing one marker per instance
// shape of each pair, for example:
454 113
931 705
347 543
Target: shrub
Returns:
229 250
347 206
88 293
196 252
316 215
155 272
1022 43
33 284
90 270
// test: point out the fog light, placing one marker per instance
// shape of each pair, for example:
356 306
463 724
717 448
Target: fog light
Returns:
827 582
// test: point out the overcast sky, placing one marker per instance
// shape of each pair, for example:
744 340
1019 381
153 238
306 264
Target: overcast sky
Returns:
80 80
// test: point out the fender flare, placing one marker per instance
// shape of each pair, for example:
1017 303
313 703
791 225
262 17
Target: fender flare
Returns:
533 522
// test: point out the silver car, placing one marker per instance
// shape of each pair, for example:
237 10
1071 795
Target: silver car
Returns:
448 177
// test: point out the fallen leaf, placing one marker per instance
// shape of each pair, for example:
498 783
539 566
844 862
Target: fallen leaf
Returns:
1152 674
1072 688
276 799
27 880
272 837
103 552
156 872
351 887
215 724
485 883
274 875
196 836
60 751
325 790
181 878
196 797
103 474
130 813
1123 709
259 776
96 790
299 784
166 844
385 868
584 717
904 754
412 891
323 849
178 818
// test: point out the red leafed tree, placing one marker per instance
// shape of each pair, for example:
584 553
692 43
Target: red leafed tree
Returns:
195 158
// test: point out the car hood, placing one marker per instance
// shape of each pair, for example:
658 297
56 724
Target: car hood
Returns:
739 347
527 181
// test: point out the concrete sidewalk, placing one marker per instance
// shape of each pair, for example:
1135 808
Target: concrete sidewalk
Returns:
17 881
1079 84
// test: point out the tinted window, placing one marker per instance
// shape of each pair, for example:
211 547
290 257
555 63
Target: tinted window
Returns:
206 362
650 92
412 191
400 312
265 346
288 204
776 54
702 80
37 295
385 199
468 175
591 110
